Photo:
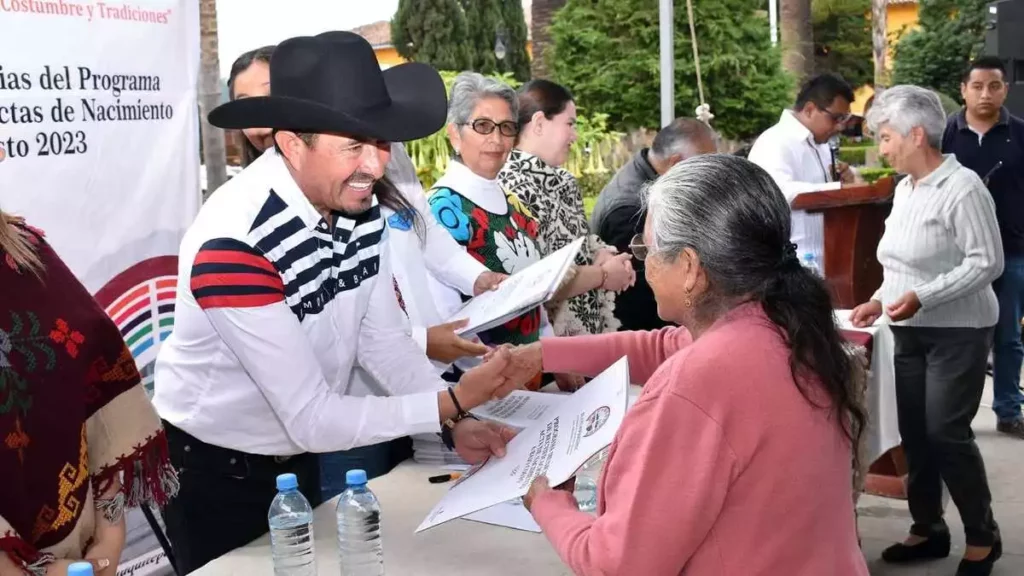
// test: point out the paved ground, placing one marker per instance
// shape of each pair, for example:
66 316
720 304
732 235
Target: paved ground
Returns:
884 521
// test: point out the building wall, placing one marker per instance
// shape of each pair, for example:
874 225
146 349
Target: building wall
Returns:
898 18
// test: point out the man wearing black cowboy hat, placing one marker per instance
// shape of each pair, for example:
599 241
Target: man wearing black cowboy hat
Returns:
284 284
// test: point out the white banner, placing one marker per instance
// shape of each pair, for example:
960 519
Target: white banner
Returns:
98 119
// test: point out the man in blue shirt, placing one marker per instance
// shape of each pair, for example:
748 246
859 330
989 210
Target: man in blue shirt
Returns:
986 138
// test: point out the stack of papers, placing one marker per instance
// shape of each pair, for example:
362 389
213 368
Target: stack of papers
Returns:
519 293
429 449
556 445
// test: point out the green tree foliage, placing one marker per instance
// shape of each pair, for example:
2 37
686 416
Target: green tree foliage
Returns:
606 51
842 39
517 60
950 35
433 32
484 19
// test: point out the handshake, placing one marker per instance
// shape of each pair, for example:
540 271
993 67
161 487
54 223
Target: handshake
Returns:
504 369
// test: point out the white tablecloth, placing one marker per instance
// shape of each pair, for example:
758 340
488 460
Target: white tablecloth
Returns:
883 427
458 548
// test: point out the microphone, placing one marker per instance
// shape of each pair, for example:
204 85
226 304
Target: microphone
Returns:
833 146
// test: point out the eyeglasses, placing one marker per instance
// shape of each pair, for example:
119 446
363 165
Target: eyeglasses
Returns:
837 118
486 126
638 248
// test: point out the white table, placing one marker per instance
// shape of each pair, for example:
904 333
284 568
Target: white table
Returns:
883 431
458 548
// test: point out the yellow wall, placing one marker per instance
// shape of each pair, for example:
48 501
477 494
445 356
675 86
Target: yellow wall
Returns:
897 17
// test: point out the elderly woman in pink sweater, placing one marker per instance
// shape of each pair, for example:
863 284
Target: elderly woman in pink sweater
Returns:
736 459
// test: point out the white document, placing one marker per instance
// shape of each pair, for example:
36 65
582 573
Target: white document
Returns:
511 514
555 446
520 292
520 409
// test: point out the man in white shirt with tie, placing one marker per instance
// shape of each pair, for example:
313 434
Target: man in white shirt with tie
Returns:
797 155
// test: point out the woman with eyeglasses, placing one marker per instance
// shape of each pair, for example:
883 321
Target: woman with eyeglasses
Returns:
547 123
493 224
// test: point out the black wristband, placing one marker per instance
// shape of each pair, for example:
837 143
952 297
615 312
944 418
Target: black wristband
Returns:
459 412
448 425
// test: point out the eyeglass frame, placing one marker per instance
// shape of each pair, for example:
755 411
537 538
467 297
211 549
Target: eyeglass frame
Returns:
497 126
638 248
837 118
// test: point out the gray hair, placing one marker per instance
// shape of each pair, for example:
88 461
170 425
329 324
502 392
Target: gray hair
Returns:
727 210
904 107
680 137
470 88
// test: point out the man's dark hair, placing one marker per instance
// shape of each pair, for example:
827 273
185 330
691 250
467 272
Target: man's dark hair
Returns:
680 132
822 90
984 63
308 138
241 64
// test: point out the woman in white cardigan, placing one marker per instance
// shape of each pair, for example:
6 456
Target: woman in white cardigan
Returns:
940 253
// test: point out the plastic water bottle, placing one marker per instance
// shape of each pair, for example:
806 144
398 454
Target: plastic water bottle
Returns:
811 263
80 569
359 528
291 530
585 491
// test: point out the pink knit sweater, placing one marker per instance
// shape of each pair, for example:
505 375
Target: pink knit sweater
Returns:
722 468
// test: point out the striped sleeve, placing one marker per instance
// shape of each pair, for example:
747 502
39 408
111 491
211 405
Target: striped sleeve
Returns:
976 232
228 273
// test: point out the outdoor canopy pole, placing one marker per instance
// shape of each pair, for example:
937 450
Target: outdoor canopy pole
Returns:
773 20
667 27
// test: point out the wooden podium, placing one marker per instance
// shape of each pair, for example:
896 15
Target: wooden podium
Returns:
854 221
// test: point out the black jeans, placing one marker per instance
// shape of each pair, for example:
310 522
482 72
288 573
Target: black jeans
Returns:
940 375
224 497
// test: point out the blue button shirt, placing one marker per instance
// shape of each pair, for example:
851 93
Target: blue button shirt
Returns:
998 158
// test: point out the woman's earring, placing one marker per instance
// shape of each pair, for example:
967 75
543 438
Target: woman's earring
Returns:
688 301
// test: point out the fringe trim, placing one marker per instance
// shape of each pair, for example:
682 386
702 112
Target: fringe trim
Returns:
21 552
112 508
147 476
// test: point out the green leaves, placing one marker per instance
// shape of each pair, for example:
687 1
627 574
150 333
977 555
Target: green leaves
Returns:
842 39
461 35
951 34
606 51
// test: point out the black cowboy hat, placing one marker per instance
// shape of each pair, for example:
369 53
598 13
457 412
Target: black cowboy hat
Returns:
332 83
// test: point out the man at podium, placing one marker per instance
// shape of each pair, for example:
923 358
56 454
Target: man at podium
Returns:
796 153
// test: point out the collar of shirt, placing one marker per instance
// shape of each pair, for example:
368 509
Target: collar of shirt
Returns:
479 190
935 179
795 128
282 182
643 164
961 119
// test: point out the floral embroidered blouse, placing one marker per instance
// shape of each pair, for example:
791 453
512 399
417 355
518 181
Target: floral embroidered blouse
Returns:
553 196
497 229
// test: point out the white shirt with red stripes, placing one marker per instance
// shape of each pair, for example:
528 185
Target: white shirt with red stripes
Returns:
274 308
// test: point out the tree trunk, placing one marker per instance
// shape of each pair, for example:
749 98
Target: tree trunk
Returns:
879 42
797 37
542 13
214 157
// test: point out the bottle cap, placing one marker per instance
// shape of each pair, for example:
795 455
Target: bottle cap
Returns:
355 477
287 482
80 569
